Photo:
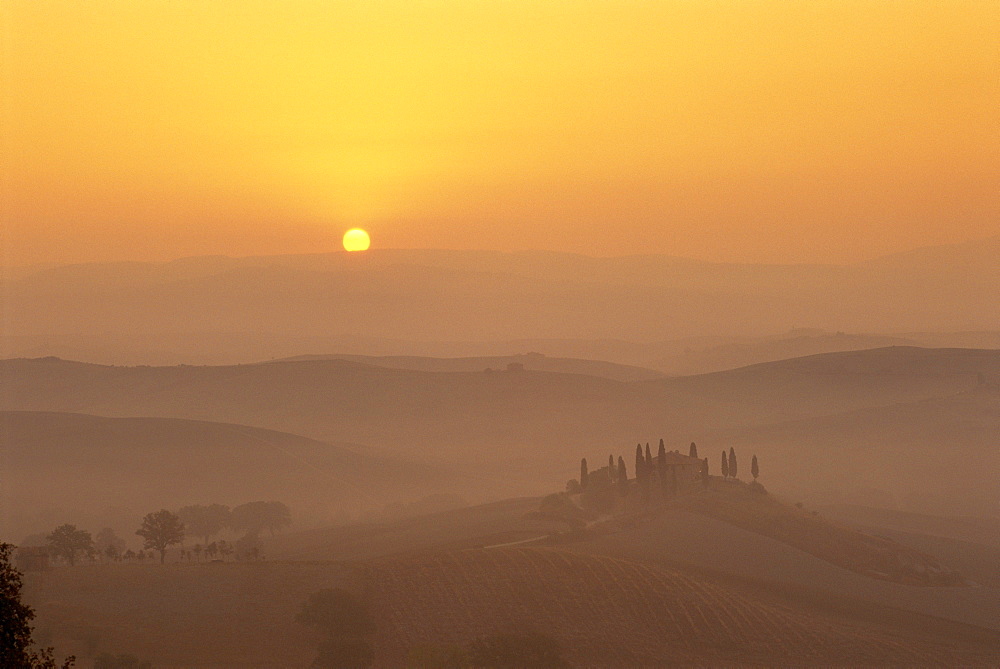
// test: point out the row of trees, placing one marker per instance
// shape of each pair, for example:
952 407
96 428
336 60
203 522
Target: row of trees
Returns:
730 466
162 529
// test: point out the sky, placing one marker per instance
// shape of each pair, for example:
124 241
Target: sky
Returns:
746 131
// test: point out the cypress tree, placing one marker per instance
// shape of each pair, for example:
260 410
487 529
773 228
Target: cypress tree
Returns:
732 462
725 466
694 450
611 468
583 474
705 478
753 467
649 459
661 469
640 463
622 477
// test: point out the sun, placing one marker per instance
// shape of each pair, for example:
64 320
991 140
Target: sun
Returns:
356 239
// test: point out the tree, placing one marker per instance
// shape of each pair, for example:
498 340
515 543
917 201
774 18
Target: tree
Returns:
255 517
66 540
109 544
649 460
205 521
693 451
622 477
754 470
732 462
661 469
15 622
611 468
583 474
225 548
640 463
161 529
725 466
345 621
705 476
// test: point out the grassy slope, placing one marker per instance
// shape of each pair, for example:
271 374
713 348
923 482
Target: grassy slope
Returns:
85 464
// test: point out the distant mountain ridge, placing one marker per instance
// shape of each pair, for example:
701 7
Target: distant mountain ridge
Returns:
437 295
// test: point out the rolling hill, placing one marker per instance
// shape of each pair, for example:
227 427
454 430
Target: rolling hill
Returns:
60 467
613 612
603 610
528 361
537 424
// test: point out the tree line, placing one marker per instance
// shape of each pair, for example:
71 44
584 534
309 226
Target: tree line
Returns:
162 529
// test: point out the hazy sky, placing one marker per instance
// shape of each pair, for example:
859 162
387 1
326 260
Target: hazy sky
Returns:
777 131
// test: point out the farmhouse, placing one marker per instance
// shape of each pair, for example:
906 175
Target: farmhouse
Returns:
685 468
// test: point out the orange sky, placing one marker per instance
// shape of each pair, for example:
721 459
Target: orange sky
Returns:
758 131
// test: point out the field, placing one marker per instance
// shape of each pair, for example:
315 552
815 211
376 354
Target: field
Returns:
602 610
217 614
612 612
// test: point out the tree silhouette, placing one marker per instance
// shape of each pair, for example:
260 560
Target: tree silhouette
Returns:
15 623
693 451
66 540
622 477
661 468
345 621
109 544
205 521
754 469
640 463
255 517
725 466
732 462
583 474
705 476
611 468
161 529
649 460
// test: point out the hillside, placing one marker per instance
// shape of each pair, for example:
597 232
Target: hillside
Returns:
84 469
602 610
529 361
183 615
620 613
503 417
939 454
